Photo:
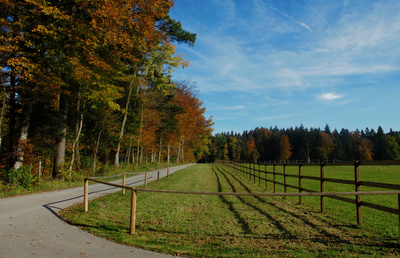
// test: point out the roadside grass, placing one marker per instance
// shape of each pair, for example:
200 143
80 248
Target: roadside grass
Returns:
229 226
46 183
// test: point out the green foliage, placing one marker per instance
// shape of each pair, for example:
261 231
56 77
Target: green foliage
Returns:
313 143
16 182
175 32
18 178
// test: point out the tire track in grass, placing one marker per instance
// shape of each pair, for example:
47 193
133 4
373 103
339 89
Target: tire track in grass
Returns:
243 223
338 236
279 226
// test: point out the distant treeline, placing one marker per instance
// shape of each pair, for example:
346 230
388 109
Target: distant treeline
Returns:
305 144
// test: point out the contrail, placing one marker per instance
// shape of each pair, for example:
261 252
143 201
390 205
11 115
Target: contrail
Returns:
291 18
327 23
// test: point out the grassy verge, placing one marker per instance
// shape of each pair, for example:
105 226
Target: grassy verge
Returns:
36 185
226 226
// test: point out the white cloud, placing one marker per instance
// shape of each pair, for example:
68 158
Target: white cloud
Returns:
233 108
304 25
330 96
223 60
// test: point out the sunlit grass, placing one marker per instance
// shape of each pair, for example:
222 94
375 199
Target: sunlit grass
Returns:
230 226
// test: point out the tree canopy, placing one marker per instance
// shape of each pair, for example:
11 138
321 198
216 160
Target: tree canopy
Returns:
90 82
303 144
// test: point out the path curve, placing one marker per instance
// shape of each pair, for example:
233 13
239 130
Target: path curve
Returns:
30 225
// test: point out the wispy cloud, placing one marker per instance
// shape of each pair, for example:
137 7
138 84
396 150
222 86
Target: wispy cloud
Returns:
227 107
291 18
263 48
233 108
330 96
304 25
337 33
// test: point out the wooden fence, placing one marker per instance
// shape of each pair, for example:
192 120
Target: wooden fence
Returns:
243 168
250 170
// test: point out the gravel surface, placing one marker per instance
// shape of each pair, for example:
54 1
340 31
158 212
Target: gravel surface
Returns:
30 225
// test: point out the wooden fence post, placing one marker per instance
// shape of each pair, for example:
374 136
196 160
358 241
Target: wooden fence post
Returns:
322 178
167 172
266 178
284 178
398 201
86 195
123 183
300 185
145 179
273 171
248 167
158 175
254 172
259 175
357 186
133 212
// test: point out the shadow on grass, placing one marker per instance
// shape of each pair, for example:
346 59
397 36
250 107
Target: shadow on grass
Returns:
286 233
243 223
333 238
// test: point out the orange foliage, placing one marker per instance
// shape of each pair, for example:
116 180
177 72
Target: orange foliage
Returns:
252 152
285 148
192 125
326 145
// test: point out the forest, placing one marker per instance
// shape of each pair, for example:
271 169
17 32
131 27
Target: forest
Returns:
86 84
305 145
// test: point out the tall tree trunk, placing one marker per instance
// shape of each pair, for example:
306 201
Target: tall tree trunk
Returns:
159 149
128 152
62 138
3 107
183 150
75 145
78 127
121 133
27 111
138 141
179 151
12 114
141 155
95 153
168 153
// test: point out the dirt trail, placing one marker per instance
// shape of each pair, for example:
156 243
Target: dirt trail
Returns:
31 227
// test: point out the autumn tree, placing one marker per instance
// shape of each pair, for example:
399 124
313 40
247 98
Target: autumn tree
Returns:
252 152
193 127
365 149
85 65
325 146
285 148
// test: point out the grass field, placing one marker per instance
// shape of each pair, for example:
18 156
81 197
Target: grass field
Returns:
234 226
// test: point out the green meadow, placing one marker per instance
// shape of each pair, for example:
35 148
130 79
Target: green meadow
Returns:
244 226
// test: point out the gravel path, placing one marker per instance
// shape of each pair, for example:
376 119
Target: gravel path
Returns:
31 227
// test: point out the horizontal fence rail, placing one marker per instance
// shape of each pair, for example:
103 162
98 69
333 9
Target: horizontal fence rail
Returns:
322 194
250 170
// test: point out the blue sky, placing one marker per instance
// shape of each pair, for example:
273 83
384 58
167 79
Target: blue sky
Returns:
263 63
